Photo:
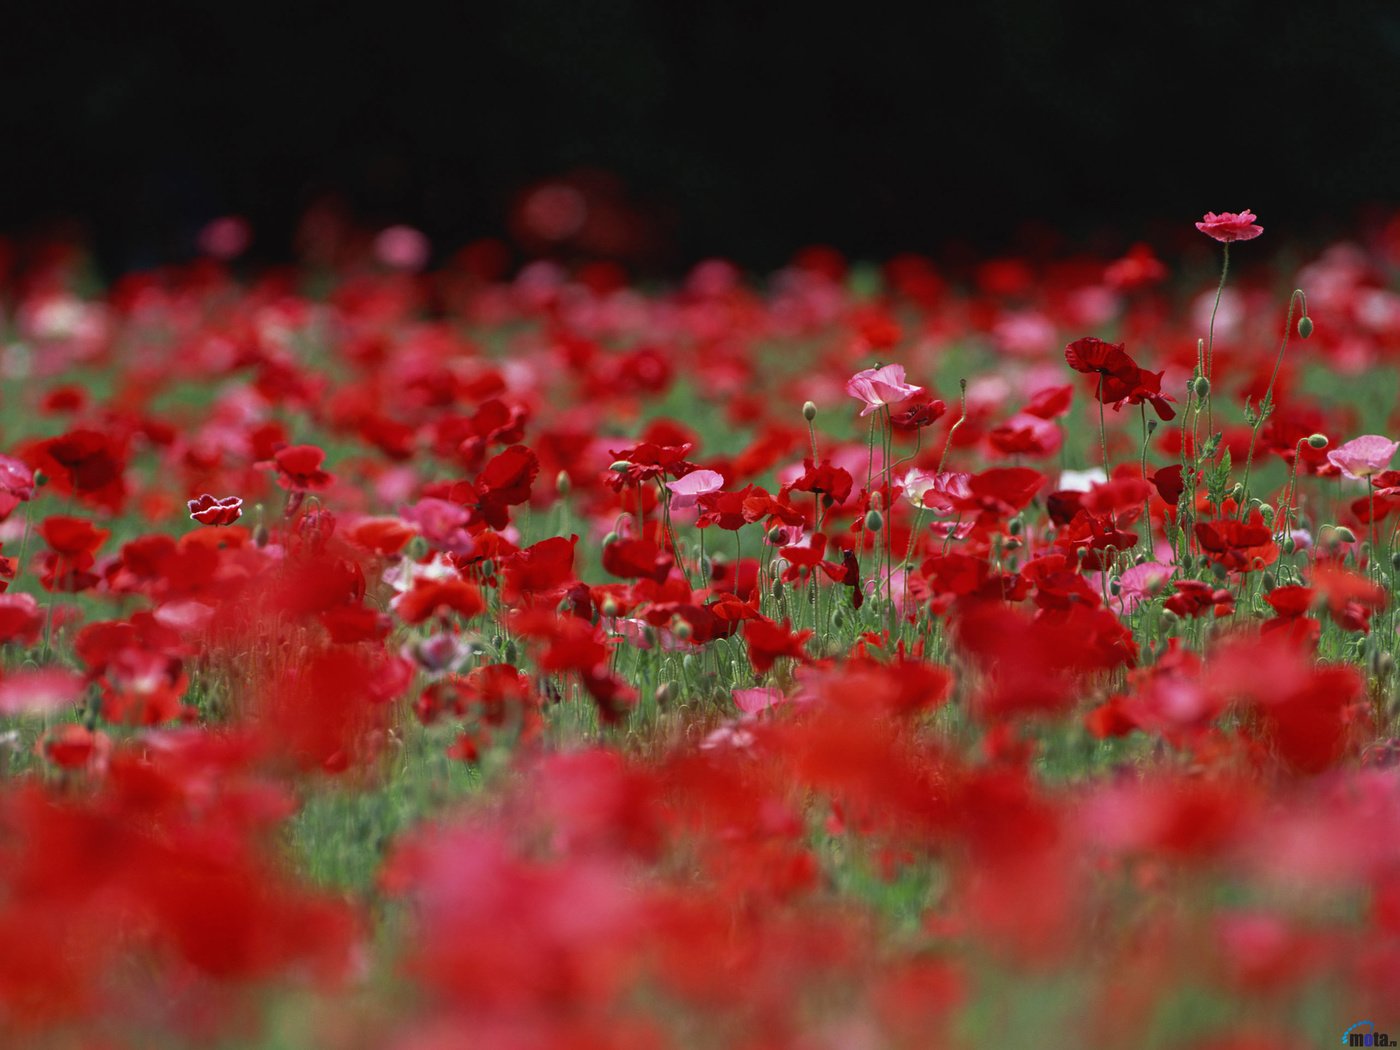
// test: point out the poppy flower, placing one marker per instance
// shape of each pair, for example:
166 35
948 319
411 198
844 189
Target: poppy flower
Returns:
209 510
1238 545
1230 226
767 641
878 387
299 468
686 490
1363 457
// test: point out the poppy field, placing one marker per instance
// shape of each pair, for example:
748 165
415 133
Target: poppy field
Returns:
517 656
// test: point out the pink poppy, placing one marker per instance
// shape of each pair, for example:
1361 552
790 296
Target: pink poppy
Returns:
879 387
1229 226
1362 457
759 698
686 490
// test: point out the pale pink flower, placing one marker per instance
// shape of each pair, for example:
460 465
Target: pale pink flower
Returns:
685 490
759 698
1229 226
939 492
1361 457
402 248
879 387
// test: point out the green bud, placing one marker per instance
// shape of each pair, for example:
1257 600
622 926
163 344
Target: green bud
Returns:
777 590
1015 525
1289 545
1305 326
1115 586
1201 386
1318 441
838 618
1344 534
610 539
608 606
1237 491
874 521
1266 512
809 411
681 628
1270 581
562 484
1395 561
620 466
775 534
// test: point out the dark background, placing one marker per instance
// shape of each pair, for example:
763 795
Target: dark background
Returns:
734 127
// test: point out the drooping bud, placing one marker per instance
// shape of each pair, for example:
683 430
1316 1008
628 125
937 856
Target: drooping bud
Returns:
809 411
610 539
1318 441
620 466
1305 326
775 535
1344 534
874 521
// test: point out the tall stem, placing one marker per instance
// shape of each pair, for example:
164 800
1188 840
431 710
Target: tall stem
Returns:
1210 332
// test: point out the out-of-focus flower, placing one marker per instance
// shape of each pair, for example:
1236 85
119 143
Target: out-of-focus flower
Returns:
402 248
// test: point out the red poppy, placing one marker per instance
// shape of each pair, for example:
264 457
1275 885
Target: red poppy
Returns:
208 510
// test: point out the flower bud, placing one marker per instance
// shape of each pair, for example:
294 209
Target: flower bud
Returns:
777 590
1305 326
775 535
610 539
608 606
1201 386
1318 441
1344 534
620 466
562 484
874 521
1266 513
809 411
665 694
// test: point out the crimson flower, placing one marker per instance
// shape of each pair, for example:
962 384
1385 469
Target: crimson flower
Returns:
209 510
299 468
1230 226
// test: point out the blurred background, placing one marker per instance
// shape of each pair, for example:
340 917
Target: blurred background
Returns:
659 133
